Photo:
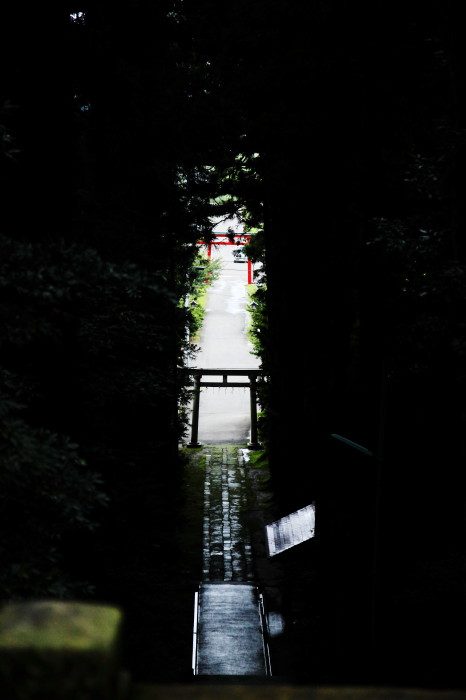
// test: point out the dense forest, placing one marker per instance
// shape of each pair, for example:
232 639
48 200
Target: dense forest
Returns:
336 132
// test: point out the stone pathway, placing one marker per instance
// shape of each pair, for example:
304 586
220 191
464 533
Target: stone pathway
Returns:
230 636
227 552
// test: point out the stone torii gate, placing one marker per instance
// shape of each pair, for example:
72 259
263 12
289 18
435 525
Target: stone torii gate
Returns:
198 373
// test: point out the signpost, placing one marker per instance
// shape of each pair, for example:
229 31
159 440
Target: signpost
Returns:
291 530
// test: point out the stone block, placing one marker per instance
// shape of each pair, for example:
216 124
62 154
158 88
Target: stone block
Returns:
59 650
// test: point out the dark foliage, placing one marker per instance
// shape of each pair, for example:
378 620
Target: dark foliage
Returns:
337 130
101 208
86 353
355 118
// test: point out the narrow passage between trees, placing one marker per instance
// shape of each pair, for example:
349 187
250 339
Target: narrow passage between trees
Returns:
229 636
229 622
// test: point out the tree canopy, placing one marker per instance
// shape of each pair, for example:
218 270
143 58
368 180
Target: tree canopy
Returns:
334 129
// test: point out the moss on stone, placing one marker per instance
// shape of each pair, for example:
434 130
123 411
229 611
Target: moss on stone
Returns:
54 649
58 625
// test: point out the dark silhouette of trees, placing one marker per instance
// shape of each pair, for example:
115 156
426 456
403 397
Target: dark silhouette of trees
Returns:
355 113
335 129
101 206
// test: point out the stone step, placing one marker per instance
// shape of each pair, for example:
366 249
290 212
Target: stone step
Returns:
230 631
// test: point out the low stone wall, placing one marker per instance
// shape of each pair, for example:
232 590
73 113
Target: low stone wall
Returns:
285 692
53 650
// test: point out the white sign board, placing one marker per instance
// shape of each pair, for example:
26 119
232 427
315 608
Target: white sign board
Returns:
291 530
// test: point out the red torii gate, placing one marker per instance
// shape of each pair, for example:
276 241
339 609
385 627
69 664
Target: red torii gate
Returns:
230 239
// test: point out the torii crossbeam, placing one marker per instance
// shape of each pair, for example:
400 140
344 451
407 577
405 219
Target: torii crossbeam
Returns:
251 374
230 239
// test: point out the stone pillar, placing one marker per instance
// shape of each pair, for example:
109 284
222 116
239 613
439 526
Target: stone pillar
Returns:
195 415
253 445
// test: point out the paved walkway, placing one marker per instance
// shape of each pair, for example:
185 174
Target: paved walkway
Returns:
224 414
230 639
227 553
230 626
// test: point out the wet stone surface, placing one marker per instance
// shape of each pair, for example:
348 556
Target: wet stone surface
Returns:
230 631
240 584
227 553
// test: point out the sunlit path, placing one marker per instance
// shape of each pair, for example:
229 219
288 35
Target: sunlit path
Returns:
225 413
229 623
